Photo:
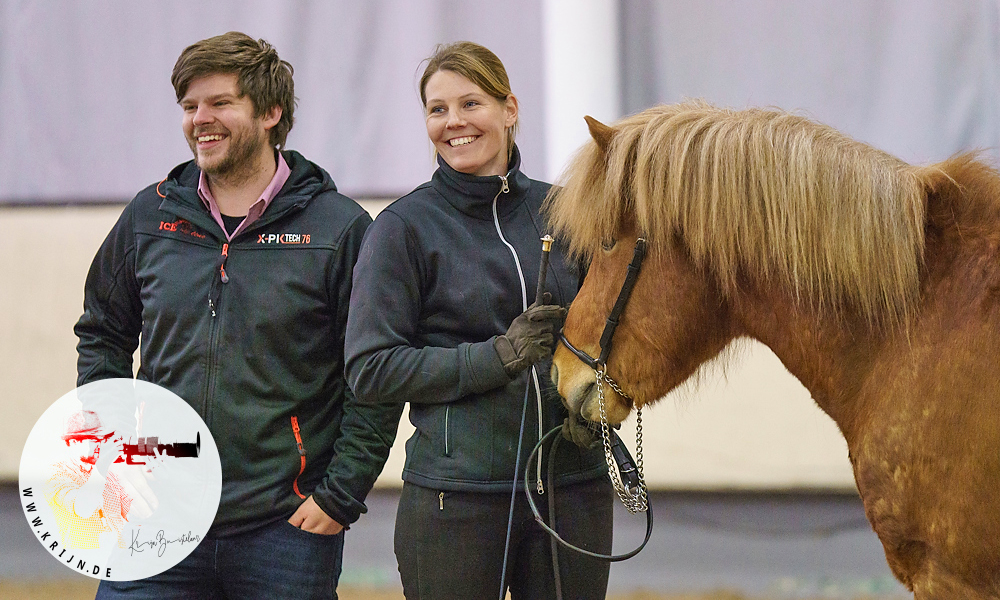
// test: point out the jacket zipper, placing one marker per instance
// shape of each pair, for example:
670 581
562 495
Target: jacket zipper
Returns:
447 415
504 189
214 294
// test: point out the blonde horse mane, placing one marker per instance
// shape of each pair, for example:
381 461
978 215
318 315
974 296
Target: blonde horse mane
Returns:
764 193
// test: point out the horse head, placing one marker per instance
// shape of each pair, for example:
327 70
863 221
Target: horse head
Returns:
652 351
753 208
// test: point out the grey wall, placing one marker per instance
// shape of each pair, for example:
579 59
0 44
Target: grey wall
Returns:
89 113
917 78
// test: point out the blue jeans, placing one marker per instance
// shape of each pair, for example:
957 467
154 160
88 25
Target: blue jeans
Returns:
274 562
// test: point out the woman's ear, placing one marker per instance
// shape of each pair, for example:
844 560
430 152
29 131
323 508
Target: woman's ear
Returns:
510 110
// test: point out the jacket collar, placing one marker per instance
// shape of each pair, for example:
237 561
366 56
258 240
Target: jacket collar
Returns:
473 195
306 180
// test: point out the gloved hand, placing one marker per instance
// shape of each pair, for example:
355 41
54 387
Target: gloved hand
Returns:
529 338
581 432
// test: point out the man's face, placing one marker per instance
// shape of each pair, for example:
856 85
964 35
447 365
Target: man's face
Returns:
220 127
85 451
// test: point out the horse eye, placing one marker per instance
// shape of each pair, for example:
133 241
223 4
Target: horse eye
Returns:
609 244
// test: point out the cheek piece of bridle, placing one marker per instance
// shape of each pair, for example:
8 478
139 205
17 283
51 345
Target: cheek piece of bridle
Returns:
600 363
620 465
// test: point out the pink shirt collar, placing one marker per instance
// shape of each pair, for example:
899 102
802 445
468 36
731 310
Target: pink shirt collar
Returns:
256 209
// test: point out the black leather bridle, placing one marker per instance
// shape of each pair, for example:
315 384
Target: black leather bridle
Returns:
611 325
625 464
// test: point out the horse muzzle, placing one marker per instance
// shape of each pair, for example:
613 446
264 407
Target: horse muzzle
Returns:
577 384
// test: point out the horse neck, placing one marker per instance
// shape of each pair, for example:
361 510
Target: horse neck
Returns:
830 355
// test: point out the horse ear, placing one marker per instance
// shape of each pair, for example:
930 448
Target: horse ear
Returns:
601 133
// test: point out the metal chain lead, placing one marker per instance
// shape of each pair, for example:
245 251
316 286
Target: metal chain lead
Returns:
634 502
638 460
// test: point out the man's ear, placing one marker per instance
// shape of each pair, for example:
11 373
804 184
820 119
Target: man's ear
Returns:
272 116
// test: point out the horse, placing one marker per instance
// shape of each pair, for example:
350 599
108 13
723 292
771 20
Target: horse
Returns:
875 282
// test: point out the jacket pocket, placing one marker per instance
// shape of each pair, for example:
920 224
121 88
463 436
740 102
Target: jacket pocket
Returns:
302 457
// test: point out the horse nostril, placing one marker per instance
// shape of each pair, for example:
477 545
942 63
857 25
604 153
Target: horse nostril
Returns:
554 375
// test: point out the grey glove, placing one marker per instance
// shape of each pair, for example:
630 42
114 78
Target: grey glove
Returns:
529 338
581 432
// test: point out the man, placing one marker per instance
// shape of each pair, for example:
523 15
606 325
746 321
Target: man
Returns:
87 499
236 269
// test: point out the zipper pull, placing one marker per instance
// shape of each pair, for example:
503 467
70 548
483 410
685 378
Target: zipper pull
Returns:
215 291
503 186
441 500
222 265
298 436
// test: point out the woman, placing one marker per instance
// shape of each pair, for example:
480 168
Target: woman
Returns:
439 318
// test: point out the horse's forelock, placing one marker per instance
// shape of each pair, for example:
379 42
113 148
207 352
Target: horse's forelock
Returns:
576 207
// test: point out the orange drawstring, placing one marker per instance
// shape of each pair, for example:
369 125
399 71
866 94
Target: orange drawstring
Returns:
302 457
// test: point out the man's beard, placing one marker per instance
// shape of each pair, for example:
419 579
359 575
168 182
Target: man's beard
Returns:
238 162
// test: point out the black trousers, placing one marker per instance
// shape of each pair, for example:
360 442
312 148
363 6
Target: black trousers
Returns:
450 545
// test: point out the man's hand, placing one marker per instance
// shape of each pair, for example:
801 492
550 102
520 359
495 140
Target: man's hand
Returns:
310 517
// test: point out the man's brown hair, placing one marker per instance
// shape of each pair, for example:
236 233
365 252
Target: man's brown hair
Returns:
260 74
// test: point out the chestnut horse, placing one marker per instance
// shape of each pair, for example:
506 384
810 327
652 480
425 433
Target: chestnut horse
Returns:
875 282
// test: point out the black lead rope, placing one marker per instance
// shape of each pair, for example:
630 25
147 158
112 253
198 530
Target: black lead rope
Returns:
552 532
625 464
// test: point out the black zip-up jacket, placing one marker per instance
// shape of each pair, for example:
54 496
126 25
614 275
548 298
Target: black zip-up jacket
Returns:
268 348
433 287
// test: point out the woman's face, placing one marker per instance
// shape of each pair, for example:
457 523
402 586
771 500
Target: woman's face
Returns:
467 126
